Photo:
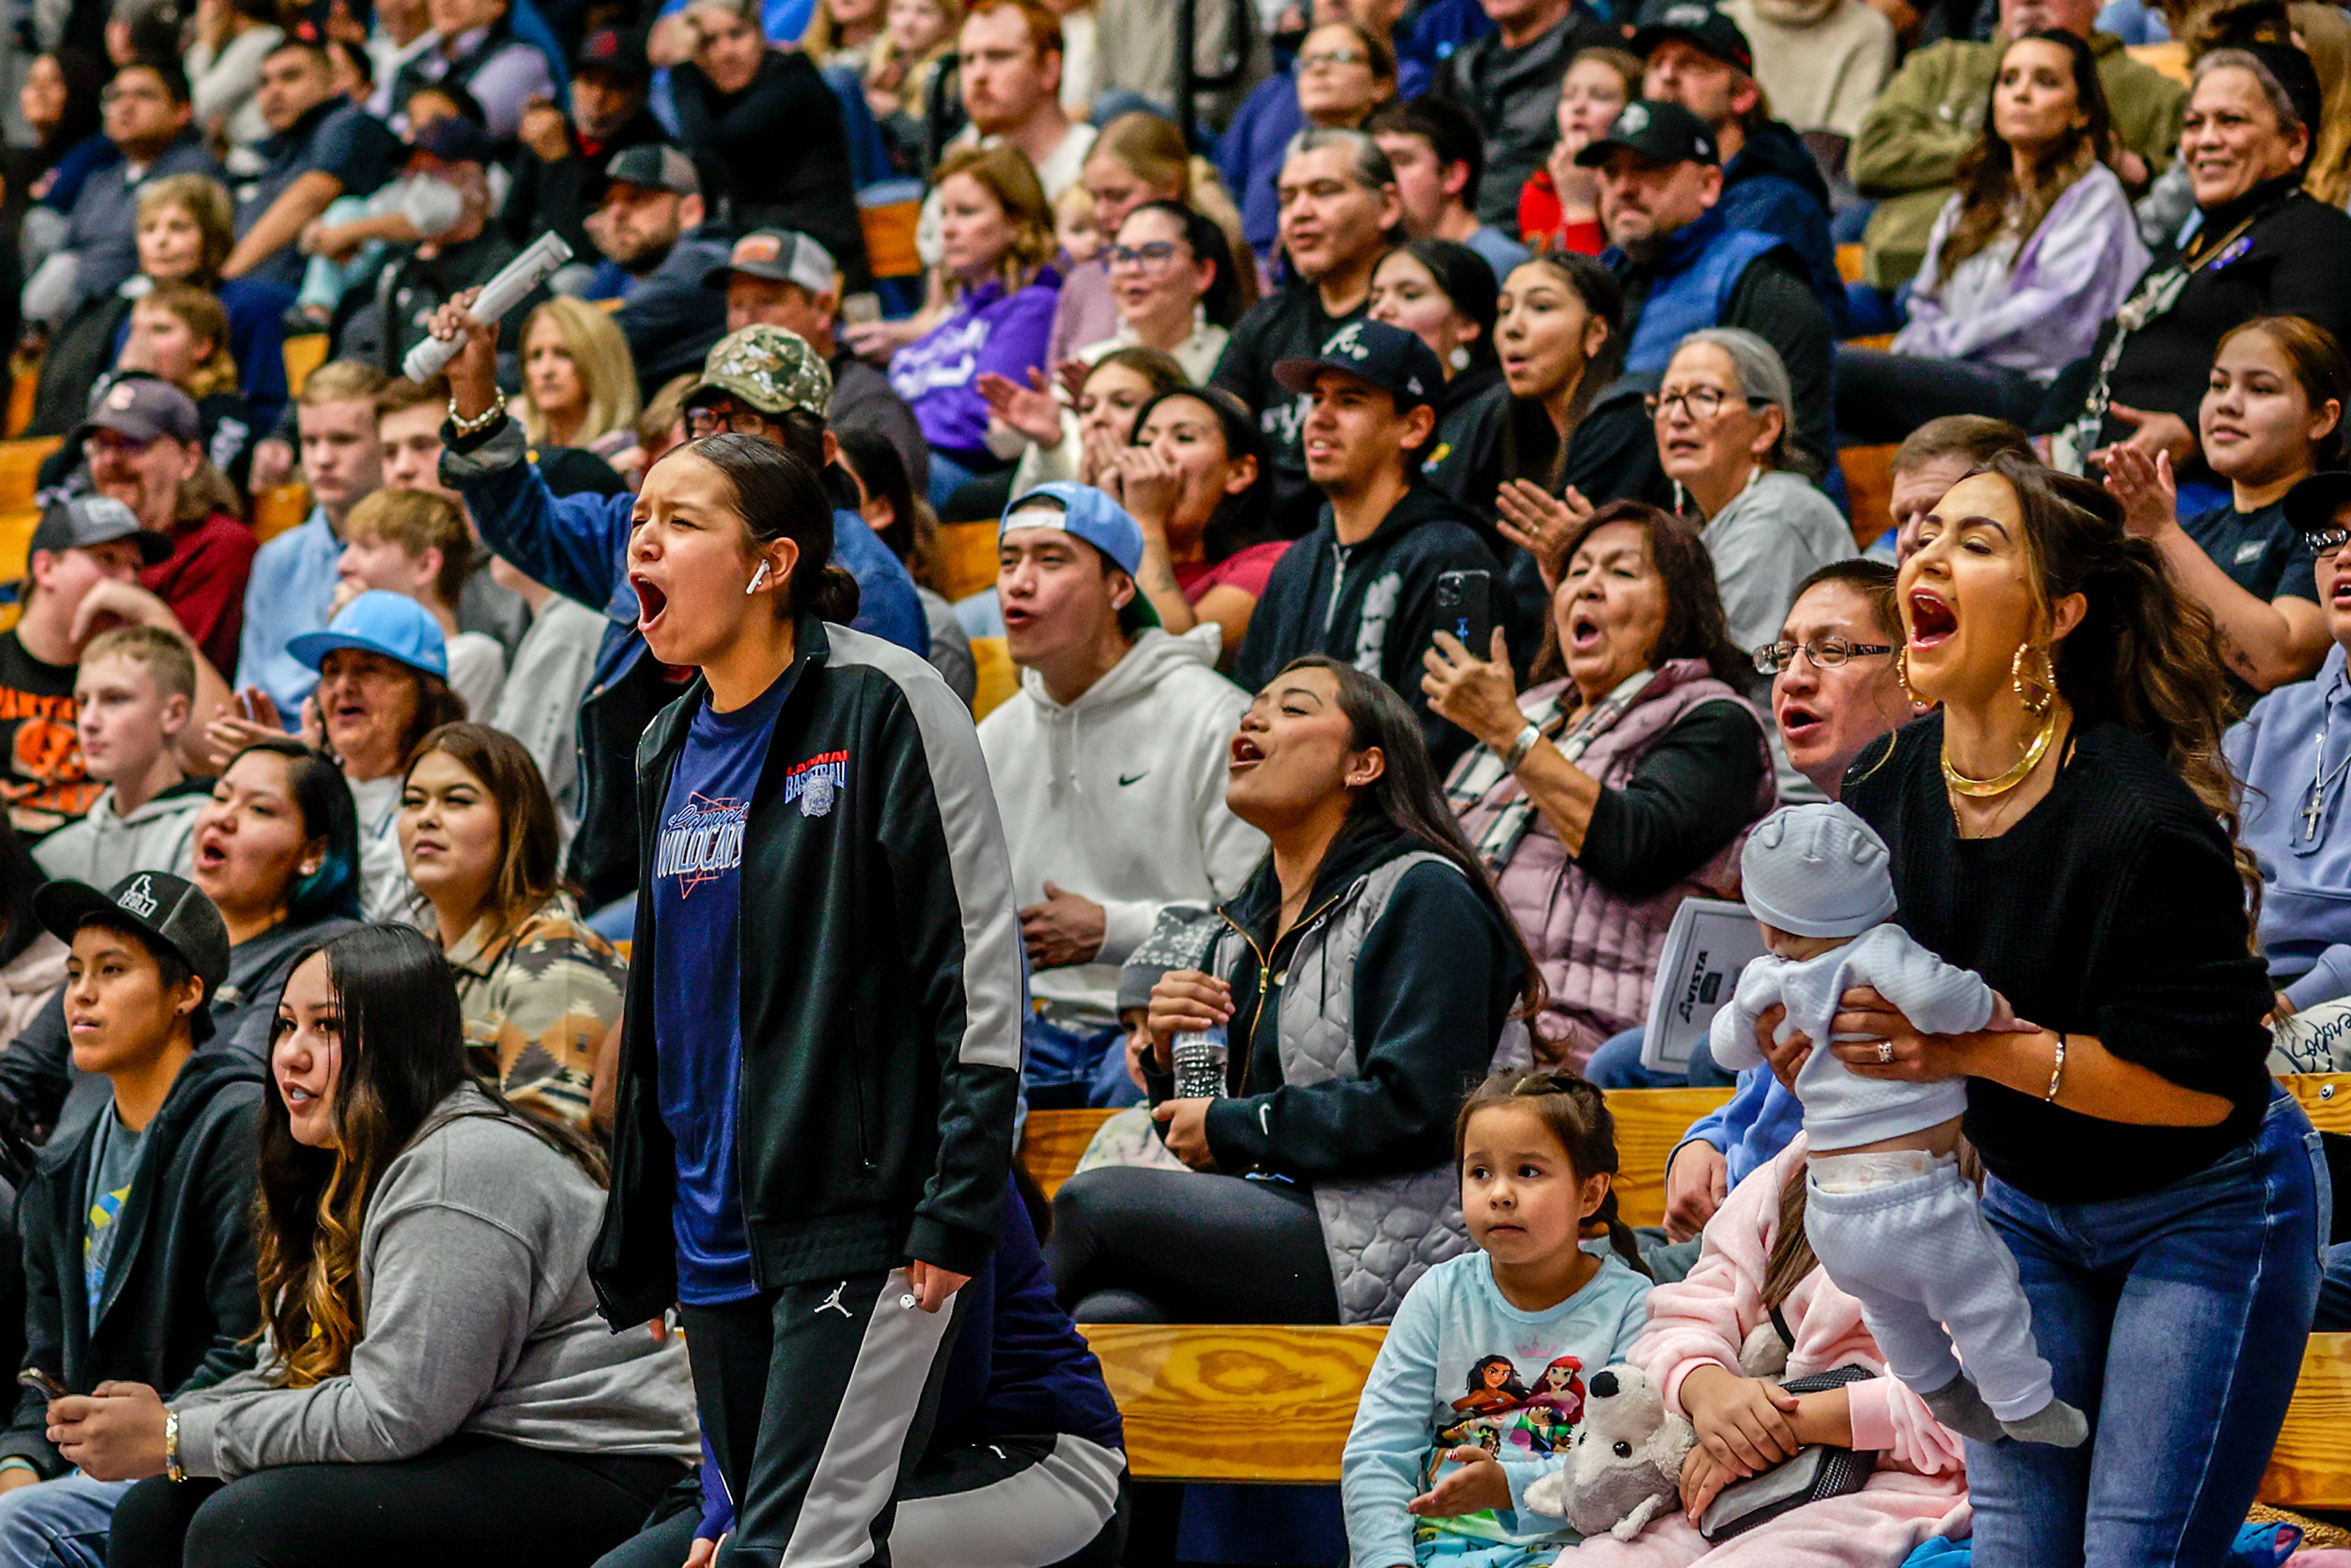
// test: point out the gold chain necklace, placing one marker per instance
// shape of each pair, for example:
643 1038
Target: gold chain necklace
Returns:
1982 788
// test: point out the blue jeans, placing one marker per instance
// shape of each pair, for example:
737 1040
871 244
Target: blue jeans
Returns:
61 1523
2176 1321
1617 1065
1066 1069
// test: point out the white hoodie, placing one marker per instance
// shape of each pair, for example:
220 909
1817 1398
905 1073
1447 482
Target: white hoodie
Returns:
1120 795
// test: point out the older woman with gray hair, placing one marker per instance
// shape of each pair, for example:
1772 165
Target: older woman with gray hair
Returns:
1723 417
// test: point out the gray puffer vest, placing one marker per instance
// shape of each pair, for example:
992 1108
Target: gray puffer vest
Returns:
1380 1233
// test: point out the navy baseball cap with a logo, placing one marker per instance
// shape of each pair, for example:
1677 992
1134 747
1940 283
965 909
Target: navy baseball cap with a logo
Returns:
165 911
1390 357
1706 29
1657 129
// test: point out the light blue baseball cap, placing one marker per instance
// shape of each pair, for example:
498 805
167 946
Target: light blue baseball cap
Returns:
1093 516
378 622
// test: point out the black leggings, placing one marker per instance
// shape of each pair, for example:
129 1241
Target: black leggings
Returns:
1137 1246
473 1499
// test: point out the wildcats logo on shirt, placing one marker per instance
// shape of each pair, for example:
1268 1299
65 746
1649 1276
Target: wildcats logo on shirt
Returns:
818 782
702 840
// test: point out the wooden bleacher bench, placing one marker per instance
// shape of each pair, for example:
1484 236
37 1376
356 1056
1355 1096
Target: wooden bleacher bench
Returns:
1869 489
964 561
1000 679
304 354
1649 1122
1274 1405
278 509
1849 262
1235 1404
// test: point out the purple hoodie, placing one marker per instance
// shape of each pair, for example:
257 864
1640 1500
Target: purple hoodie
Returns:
988 330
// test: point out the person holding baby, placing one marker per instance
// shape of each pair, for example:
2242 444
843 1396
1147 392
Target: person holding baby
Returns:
2062 829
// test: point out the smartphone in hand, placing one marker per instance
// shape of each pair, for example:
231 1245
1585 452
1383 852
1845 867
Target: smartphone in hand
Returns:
49 1388
1465 607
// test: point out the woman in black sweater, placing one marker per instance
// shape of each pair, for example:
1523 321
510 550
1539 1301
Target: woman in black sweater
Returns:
767 117
2061 827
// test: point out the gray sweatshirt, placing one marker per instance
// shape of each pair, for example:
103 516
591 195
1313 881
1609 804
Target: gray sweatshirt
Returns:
476 1317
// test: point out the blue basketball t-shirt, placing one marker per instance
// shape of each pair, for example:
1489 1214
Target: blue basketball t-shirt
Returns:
697 985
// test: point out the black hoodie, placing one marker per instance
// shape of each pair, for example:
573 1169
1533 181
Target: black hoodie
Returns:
1372 604
180 1310
1774 187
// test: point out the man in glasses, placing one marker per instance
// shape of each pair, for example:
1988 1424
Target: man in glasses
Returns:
1684 268
147 117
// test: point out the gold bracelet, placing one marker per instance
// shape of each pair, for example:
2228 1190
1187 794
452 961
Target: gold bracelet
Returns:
2057 1073
172 1466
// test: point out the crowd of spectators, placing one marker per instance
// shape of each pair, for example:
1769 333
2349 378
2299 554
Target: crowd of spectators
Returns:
1423 557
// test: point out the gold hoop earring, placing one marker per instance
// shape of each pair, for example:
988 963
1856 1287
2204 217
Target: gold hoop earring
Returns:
2038 689
1902 676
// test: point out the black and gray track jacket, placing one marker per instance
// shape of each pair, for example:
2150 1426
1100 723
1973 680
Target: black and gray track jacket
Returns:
881 990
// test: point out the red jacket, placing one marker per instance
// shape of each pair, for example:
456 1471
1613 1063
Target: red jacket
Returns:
203 583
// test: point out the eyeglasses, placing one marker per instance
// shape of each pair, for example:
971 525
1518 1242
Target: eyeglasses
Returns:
725 420
2327 541
1826 654
1155 257
1332 59
1697 402
117 94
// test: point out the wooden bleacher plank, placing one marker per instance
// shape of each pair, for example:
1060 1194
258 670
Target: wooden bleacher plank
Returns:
2170 57
1849 262
278 509
1649 1123
1869 489
1235 1403
17 542
964 559
1051 1141
24 389
304 354
2325 1098
998 679
20 468
2310 1466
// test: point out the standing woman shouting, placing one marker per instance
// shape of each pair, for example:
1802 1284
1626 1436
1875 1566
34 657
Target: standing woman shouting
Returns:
2061 827
814 1095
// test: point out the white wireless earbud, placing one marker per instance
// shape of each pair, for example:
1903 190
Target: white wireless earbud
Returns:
758 580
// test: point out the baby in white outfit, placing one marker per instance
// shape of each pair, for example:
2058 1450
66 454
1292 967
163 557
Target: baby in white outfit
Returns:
1886 1211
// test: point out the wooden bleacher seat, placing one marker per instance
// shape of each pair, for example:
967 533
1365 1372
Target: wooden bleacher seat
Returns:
2325 1099
2170 57
20 468
998 680
1848 260
24 389
1869 489
277 510
2311 1465
303 354
963 562
1649 1123
1235 1404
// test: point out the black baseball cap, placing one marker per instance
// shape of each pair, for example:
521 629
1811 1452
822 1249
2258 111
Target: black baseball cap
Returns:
166 911
655 166
86 521
453 138
620 50
1705 28
2311 505
1390 357
1655 128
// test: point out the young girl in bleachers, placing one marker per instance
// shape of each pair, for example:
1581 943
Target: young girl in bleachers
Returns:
1479 1389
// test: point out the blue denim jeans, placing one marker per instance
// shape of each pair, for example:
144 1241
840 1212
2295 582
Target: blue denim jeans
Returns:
2176 1321
1617 1065
60 1523
1065 1069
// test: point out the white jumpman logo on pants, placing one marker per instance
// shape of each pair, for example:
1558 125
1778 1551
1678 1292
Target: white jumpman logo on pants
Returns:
832 1303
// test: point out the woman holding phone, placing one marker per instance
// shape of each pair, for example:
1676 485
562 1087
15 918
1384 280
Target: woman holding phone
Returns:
1620 784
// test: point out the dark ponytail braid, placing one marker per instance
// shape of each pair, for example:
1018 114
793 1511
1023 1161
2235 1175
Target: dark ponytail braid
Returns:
1577 1114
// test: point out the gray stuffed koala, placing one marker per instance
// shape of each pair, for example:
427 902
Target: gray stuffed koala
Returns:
1626 1467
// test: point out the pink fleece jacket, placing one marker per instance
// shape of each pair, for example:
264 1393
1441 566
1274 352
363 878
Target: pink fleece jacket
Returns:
1919 1489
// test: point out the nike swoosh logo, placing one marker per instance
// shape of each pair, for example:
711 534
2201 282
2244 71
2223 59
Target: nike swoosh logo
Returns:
1124 779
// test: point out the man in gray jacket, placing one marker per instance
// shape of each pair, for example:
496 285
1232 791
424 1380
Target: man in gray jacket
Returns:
132 696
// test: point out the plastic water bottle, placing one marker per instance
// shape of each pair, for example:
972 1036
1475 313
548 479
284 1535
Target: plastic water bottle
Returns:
1199 1056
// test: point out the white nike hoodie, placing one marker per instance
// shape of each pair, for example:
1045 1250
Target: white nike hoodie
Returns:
1120 795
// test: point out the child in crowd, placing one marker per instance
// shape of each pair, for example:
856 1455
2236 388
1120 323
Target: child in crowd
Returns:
916 35
1477 1390
415 543
1888 1212
1073 226
137 1245
132 695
